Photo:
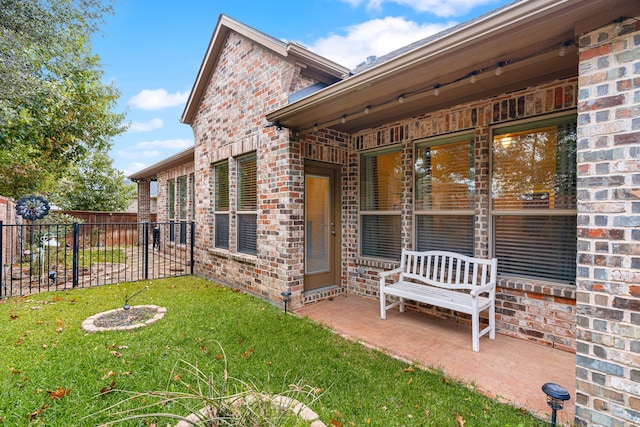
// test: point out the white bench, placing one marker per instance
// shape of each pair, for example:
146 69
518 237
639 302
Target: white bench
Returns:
445 279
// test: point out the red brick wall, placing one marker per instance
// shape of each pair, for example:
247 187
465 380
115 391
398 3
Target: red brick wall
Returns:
249 82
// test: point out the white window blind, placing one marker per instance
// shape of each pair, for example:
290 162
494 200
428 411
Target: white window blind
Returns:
247 204
534 199
221 205
380 204
444 175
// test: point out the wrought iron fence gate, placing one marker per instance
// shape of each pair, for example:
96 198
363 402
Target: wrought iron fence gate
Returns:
45 257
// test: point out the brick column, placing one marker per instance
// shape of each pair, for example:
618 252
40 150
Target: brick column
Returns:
144 200
608 276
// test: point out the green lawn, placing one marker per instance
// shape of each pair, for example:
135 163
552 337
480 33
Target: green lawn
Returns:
52 373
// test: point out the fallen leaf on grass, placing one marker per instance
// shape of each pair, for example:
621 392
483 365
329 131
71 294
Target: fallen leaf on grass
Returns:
59 393
116 354
14 371
13 316
126 373
336 423
116 347
204 349
109 374
58 298
460 420
247 353
409 369
19 341
59 330
33 415
107 389
177 377
219 356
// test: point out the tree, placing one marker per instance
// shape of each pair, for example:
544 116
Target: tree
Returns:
94 185
54 108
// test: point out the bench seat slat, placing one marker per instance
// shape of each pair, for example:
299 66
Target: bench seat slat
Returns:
453 300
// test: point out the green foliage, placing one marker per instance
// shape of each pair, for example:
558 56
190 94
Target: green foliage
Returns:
94 185
54 107
52 373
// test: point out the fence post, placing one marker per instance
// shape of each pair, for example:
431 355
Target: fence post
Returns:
74 251
193 244
145 240
2 278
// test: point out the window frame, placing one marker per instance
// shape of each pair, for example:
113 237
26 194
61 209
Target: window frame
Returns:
534 124
221 211
364 213
252 249
464 137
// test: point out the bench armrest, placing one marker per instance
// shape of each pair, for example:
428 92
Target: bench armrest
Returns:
384 274
482 289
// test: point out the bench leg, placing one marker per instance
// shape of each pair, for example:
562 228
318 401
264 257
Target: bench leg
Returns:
383 306
475 326
401 305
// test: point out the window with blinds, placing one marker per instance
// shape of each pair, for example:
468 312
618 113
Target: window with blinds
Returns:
221 205
247 204
171 198
533 204
183 199
444 176
171 208
380 204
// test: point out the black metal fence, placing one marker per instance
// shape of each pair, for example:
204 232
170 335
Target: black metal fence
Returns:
46 257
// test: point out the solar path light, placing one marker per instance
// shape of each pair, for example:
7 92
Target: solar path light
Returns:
556 396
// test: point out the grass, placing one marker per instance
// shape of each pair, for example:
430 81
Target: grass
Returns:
52 373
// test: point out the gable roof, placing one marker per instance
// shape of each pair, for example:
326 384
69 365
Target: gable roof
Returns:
524 37
314 65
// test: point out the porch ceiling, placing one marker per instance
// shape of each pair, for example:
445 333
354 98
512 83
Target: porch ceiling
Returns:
527 35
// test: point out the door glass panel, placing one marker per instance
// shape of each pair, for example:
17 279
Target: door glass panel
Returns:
318 226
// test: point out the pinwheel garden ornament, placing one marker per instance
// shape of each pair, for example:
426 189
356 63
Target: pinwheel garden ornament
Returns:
32 207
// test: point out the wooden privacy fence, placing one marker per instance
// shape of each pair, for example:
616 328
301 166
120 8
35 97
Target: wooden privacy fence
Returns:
44 257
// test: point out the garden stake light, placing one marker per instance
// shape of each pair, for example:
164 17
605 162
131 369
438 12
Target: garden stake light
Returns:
286 296
556 396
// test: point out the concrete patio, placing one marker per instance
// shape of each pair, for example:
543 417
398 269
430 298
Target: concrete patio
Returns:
508 369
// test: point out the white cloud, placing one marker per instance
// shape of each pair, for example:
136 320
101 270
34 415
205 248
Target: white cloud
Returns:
164 143
437 7
146 154
146 126
376 37
134 167
158 99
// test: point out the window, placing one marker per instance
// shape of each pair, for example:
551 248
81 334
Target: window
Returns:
171 208
183 200
171 198
221 205
182 203
380 204
192 190
445 195
533 192
247 204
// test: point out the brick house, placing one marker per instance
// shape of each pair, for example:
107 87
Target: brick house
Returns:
515 135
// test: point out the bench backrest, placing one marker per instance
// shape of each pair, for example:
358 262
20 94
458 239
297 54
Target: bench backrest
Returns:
447 269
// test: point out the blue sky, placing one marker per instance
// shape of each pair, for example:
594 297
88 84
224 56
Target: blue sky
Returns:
152 50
